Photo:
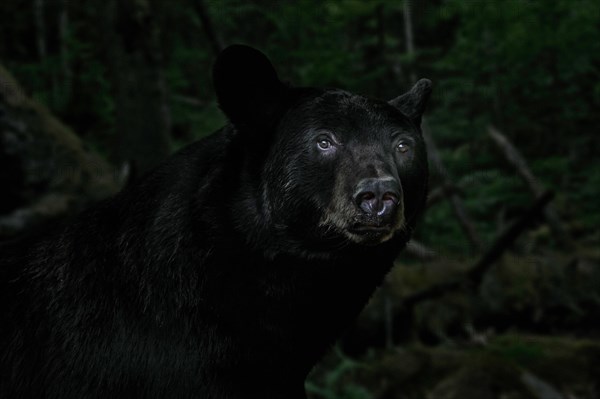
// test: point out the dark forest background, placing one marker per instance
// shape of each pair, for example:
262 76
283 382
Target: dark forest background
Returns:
498 296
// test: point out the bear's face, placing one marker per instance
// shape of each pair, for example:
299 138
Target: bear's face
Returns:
342 164
336 168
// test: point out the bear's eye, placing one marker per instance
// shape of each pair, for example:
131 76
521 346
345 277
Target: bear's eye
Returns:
324 143
402 147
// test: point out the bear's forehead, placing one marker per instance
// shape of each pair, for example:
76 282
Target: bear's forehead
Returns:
339 108
344 100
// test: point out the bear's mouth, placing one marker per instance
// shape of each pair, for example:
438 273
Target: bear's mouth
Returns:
370 234
362 229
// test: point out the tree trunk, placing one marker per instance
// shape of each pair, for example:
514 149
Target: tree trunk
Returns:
40 28
65 60
212 35
408 34
135 63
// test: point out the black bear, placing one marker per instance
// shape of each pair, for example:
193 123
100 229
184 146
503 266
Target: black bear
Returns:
231 268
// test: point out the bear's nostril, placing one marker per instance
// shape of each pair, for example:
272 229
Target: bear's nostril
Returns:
390 197
368 196
378 197
367 201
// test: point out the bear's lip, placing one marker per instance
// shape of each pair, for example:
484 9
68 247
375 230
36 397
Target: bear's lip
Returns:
370 229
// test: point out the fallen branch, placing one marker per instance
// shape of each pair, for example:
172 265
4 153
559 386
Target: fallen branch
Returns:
47 170
514 158
473 277
397 320
419 250
440 193
50 206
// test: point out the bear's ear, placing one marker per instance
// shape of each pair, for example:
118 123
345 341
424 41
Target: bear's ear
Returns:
247 87
412 103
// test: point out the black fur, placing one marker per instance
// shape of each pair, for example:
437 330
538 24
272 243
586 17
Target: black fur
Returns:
219 274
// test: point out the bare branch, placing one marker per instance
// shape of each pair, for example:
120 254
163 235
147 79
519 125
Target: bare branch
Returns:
515 159
473 277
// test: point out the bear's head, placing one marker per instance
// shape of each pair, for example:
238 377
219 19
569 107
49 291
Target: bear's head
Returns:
324 169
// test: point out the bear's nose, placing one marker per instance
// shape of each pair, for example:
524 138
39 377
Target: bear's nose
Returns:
378 196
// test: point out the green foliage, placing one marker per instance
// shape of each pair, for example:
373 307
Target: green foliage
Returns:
512 53
517 350
531 68
335 384
584 188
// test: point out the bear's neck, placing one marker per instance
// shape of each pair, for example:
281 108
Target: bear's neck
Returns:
298 306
